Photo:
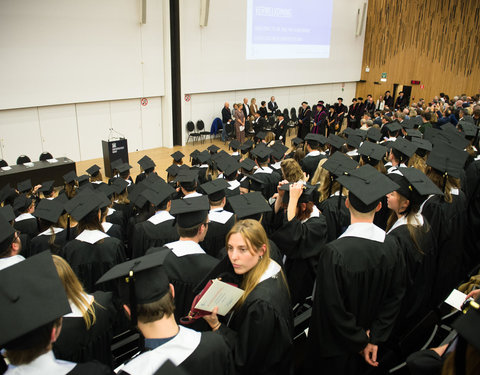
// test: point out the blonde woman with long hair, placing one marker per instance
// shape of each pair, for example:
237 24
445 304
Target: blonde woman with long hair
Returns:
260 328
86 331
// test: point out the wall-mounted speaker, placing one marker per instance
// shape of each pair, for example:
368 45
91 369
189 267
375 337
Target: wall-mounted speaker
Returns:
204 10
361 14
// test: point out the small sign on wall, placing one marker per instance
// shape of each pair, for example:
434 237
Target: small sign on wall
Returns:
187 97
144 101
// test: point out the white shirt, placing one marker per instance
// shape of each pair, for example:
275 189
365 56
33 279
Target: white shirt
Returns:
313 153
45 364
192 195
91 236
182 248
219 215
266 170
160 217
10 261
368 231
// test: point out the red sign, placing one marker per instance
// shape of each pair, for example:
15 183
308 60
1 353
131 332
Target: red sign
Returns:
422 86
414 82
144 101
187 97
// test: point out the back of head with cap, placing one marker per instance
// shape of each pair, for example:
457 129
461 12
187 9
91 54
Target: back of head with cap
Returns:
191 214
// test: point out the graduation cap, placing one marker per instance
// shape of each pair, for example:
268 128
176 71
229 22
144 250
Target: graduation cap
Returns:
449 127
469 129
160 194
413 184
187 176
393 127
49 210
404 146
261 154
307 193
369 151
83 179
407 124
361 133
234 144
84 203
153 180
140 281
173 170
70 177
297 141
135 195
447 159
422 144
204 157
47 187
374 134
335 141
146 163
7 192
315 138
414 133
339 163
24 186
247 164
108 190
22 203
348 132
191 211
366 187
7 213
250 204
122 168
354 141
261 135
467 325
6 229
215 189
177 156
93 170
31 296
213 148
454 139
116 163
278 151
194 154
118 185
231 168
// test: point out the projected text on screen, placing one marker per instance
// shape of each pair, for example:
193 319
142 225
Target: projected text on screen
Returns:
286 29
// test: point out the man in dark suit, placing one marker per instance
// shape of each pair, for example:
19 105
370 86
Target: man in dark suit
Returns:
340 111
388 100
401 101
370 105
272 105
281 128
226 118
352 111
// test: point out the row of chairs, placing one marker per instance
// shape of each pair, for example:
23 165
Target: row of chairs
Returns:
25 159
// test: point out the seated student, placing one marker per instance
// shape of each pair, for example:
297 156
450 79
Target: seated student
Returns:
360 284
277 156
52 235
96 177
120 198
159 229
177 158
187 181
401 151
148 299
70 184
112 229
147 166
32 321
47 189
112 215
417 245
230 174
86 331
92 251
123 173
264 174
10 244
260 328
315 153
220 220
291 171
300 231
186 263
25 222
352 144
390 131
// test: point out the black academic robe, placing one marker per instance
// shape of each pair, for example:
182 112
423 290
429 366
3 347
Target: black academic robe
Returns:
91 368
217 231
337 218
301 244
309 164
448 222
77 344
27 226
185 271
126 209
147 234
114 230
117 217
260 331
420 266
381 217
42 242
304 126
389 102
205 352
268 184
472 192
91 261
360 286
25 240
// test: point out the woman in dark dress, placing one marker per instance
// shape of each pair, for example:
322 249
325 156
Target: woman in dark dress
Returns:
259 330
86 331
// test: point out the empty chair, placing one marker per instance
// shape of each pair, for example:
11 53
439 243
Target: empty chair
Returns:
191 131
201 130
3 163
286 114
23 159
45 156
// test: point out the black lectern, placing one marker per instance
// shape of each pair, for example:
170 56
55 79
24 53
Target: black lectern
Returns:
113 150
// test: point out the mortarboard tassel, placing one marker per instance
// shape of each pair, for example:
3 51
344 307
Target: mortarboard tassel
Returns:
68 227
445 176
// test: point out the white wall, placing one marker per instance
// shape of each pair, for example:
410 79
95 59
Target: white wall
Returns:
207 106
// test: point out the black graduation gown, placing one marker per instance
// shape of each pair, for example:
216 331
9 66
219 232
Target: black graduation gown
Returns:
27 226
118 218
147 235
260 332
41 243
115 230
337 219
269 183
26 250
300 243
126 209
472 193
381 217
185 273
420 274
77 344
91 368
360 286
91 261
214 240
448 222
309 164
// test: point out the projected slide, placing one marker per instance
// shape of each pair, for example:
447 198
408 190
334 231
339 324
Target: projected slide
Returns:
288 29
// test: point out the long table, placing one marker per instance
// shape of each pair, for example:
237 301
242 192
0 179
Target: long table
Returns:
40 172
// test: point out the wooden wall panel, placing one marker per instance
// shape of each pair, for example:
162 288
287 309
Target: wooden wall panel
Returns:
435 42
